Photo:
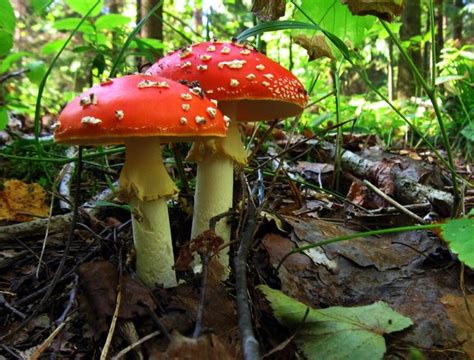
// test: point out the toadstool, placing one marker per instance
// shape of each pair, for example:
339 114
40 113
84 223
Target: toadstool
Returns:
142 111
249 87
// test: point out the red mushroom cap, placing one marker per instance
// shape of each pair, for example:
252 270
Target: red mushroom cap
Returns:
139 106
230 71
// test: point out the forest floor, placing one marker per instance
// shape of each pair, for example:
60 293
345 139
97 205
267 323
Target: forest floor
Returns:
64 304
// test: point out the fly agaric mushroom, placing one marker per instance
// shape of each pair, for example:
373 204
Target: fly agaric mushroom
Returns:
142 111
249 87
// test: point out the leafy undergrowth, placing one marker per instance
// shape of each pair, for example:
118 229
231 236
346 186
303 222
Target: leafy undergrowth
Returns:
393 294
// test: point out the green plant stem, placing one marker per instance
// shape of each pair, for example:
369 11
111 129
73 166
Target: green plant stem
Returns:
432 95
358 235
338 157
433 44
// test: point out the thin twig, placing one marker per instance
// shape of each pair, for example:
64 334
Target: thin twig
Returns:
394 203
130 347
156 320
250 345
202 297
72 297
45 344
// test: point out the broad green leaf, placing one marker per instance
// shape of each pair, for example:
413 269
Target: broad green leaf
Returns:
71 23
468 131
334 17
3 118
111 21
36 71
83 6
337 333
6 42
53 47
459 233
7 17
39 5
443 79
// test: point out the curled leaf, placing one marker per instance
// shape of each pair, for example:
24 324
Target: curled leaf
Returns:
316 46
383 9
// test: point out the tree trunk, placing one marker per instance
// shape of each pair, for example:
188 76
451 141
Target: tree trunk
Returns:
411 26
457 20
153 28
439 28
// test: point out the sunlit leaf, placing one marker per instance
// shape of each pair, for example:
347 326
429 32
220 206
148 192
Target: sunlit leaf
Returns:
7 18
83 6
53 47
71 23
40 5
459 233
383 9
267 10
111 21
36 71
337 332
10 59
6 42
335 18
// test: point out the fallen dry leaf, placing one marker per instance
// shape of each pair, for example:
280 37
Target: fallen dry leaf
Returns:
383 9
267 10
461 319
316 46
22 202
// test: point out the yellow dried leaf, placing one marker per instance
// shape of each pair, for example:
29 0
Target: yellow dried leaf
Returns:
316 46
383 9
22 202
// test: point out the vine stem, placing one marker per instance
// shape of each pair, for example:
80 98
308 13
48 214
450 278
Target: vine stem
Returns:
432 95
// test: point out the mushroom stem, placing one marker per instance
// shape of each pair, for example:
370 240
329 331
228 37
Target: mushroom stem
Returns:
214 187
145 183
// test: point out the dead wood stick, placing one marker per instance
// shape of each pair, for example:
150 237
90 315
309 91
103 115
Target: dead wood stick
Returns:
66 179
406 190
57 223
250 345
394 203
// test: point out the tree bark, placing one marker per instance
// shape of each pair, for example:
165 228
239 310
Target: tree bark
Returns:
411 26
153 28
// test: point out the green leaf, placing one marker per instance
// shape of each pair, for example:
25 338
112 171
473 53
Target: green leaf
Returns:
10 59
6 42
459 235
7 18
111 21
335 18
83 6
468 131
3 118
111 204
40 5
71 23
36 72
53 47
337 332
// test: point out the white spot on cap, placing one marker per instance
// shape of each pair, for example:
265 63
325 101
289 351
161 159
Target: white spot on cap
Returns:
202 67
251 76
186 96
186 52
245 52
226 120
56 125
209 91
196 90
265 83
185 65
214 101
260 67
150 84
90 120
211 48
205 57
183 121
234 82
212 112
268 76
234 64
200 120
88 100
225 50
186 107
119 114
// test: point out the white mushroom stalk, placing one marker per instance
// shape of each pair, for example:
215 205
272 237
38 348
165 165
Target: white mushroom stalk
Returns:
141 176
